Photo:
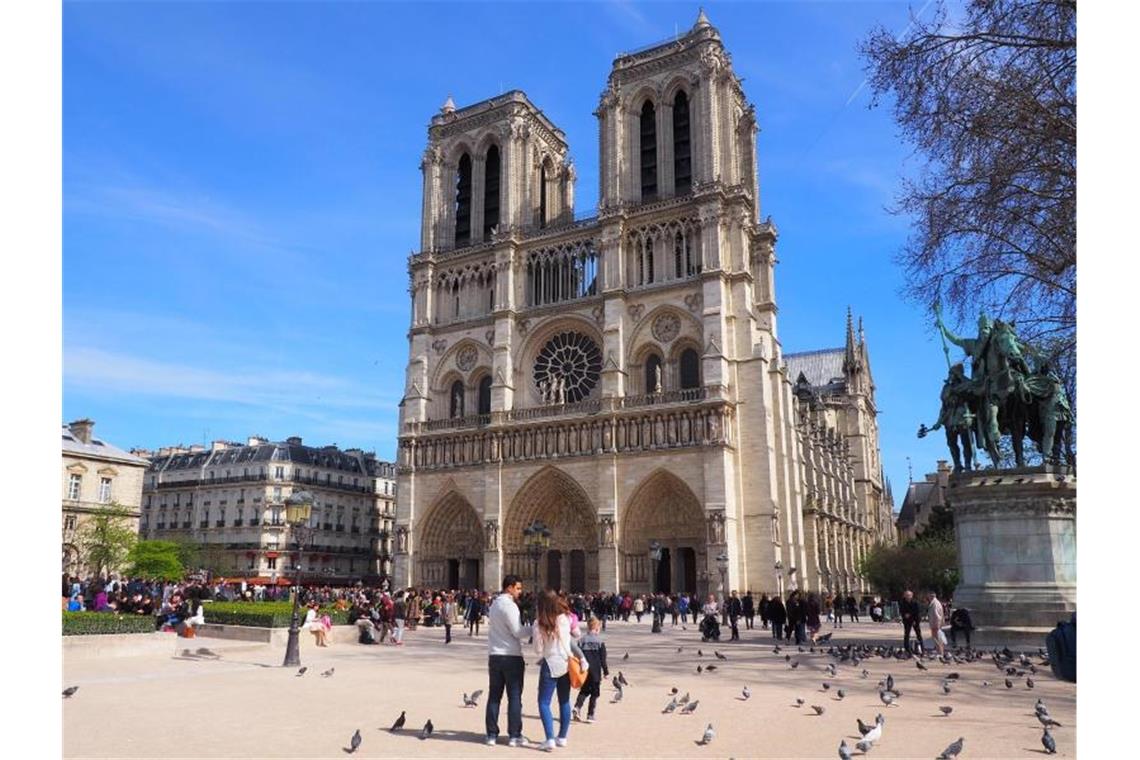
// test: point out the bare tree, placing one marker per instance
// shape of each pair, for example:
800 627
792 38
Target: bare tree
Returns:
989 101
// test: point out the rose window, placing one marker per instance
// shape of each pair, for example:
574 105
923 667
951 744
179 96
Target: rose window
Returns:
571 361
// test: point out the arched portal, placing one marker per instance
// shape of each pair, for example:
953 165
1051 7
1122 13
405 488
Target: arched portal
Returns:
556 499
665 511
449 545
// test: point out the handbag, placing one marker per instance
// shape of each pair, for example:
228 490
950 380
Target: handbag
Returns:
577 675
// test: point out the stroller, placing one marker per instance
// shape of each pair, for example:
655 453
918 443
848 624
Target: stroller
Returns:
710 629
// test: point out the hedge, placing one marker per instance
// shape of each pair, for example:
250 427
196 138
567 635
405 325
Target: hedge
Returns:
86 623
261 614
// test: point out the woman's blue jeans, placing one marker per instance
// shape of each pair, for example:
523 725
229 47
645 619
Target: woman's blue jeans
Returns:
546 688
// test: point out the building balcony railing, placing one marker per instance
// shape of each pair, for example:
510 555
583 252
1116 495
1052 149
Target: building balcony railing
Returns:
204 524
458 423
684 395
322 483
238 523
193 482
219 523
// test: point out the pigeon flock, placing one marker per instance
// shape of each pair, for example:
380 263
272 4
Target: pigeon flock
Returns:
843 663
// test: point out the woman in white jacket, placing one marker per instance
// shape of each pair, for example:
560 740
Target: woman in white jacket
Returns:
552 645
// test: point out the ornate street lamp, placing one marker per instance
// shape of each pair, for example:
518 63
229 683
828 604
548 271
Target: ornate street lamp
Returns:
298 509
537 537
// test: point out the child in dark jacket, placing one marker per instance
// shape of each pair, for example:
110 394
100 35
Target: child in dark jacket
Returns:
594 648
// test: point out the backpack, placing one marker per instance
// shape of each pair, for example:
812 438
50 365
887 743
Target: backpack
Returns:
366 636
1061 644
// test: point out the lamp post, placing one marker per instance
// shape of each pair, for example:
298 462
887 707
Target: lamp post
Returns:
298 508
537 537
655 558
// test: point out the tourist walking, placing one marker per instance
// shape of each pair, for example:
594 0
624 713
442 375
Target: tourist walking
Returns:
852 609
551 632
796 616
911 615
448 617
777 614
735 609
936 615
505 664
763 609
749 610
594 647
399 617
811 615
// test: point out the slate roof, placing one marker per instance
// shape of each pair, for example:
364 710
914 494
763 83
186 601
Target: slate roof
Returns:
98 448
822 368
916 496
328 457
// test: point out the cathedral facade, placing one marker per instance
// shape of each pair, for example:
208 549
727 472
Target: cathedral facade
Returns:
619 379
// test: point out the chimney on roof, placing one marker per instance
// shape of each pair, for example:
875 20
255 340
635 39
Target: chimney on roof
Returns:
256 440
196 447
219 445
294 440
81 429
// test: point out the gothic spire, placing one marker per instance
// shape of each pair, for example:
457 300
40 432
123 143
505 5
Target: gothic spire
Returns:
702 20
850 357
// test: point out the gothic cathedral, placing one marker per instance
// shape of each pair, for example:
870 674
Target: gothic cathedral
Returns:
604 403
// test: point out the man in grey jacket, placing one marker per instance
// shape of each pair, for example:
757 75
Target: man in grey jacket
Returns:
505 664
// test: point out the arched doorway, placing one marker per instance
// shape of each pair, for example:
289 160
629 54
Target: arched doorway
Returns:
449 545
662 511
570 563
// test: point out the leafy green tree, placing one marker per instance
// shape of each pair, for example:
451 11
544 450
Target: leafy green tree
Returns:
155 559
918 566
106 538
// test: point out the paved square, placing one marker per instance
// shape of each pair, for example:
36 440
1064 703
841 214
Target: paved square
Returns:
155 703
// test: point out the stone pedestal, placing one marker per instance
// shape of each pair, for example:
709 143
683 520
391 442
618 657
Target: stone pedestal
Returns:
1016 532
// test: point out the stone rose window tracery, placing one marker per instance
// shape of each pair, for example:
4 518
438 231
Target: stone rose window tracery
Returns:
567 368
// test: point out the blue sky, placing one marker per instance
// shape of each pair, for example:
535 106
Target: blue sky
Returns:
241 190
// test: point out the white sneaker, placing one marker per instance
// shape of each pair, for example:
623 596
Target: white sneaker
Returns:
589 718
490 741
516 741
560 741
548 745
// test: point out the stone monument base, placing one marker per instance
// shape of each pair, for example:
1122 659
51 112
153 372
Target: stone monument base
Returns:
1017 548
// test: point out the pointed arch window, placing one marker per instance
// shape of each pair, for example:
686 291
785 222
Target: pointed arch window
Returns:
491 191
648 152
456 399
690 369
463 202
682 150
485 395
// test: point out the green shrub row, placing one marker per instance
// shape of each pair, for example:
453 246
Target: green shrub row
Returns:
261 614
87 623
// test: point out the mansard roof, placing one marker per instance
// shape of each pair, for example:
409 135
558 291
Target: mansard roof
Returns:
916 496
98 449
821 368
328 457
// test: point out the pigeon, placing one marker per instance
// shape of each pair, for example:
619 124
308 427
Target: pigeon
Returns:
711 668
795 664
719 656
678 650
1048 743
864 729
787 658
1008 684
621 679
952 676
700 653
831 669
824 638
203 652
684 700
709 734
819 709
617 696
1040 707
890 682
985 684
840 693
328 673
946 709
945 687
1047 721
399 721
826 686
428 728
864 674
746 692
918 664
301 672
700 670
1029 683
673 690
625 656
690 708
886 697
844 751
799 702
354 742
473 700
671 706
951 751
617 683
863 746
875 733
